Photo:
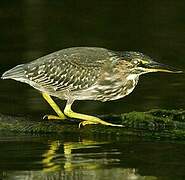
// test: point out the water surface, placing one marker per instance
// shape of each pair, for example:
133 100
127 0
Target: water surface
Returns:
72 157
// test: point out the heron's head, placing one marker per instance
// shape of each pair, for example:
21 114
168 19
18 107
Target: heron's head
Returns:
138 63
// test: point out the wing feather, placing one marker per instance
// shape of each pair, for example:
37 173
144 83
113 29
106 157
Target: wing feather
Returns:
74 71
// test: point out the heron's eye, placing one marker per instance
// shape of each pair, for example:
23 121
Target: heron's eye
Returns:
136 61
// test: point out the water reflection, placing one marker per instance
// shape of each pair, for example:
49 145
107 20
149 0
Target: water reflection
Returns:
121 174
48 157
76 157
69 160
85 159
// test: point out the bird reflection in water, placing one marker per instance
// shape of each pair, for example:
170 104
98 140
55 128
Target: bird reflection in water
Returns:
52 161
80 160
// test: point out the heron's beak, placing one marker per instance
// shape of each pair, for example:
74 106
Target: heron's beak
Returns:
158 67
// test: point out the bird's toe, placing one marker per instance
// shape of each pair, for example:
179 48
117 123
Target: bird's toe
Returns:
52 117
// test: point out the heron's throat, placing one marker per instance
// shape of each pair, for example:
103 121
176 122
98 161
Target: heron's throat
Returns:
133 77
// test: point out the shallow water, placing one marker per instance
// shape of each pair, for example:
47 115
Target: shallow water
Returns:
72 157
30 29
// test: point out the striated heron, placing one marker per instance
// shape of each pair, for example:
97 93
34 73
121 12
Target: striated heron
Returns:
85 73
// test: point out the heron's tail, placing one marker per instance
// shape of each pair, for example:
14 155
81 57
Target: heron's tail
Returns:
15 73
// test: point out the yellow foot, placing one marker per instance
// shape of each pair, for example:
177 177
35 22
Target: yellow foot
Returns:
49 117
84 123
86 119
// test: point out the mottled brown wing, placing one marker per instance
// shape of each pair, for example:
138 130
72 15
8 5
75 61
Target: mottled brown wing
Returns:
61 71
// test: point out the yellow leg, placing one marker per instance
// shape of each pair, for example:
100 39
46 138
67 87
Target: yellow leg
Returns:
86 119
54 106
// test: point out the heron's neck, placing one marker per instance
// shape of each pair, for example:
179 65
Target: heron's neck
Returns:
132 77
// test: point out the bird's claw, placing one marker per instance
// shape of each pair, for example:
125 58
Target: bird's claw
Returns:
45 117
52 117
84 123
